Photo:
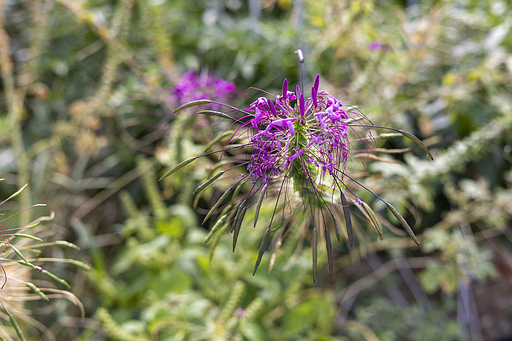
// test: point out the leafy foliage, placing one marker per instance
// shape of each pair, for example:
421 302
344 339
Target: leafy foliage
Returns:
86 103
210 298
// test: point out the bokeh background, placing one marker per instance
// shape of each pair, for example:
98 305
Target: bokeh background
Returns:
88 93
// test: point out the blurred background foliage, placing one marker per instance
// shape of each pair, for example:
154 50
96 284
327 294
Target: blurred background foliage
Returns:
86 118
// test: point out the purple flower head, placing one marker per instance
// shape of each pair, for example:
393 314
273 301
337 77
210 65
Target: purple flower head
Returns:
297 151
286 99
377 45
192 87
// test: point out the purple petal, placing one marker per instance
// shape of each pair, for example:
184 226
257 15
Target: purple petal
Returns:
272 107
297 91
301 105
317 83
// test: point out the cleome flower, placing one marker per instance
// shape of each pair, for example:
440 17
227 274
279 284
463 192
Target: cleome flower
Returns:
182 137
294 149
191 87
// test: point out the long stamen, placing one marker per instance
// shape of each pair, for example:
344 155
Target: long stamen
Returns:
3 235
23 210
5 276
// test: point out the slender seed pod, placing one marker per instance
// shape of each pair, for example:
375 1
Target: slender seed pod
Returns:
207 183
404 223
328 246
336 227
220 222
263 191
56 279
348 220
192 104
366 209
314 250
263 247
38 291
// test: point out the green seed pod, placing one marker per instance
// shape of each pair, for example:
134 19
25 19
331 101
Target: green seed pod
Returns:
37 291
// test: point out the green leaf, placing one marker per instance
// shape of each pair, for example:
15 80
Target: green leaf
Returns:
192 104
173 227
448 281
165 281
